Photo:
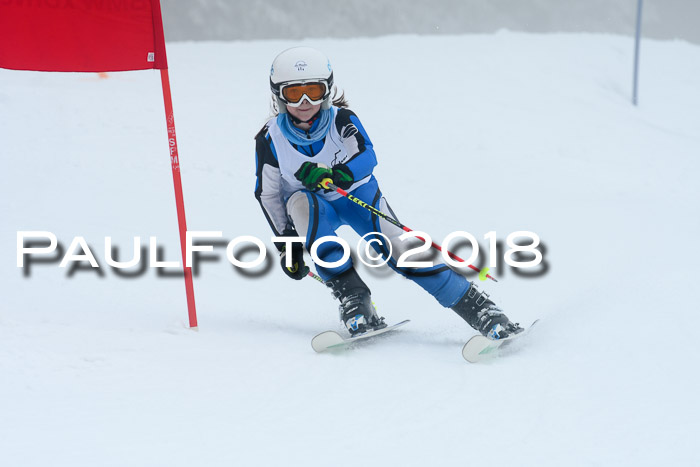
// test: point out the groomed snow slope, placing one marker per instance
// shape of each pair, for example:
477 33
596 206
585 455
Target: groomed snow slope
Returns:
499 132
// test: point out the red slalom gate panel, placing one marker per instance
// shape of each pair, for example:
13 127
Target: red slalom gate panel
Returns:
81 36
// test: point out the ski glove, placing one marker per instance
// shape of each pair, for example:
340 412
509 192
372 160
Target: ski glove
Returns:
310 174
342 176
299 269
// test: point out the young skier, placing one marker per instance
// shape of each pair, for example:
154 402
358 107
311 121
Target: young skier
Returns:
314 137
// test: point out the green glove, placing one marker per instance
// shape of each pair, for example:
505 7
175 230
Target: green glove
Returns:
342 176
310 174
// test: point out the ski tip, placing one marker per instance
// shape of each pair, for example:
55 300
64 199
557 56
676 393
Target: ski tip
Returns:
331 340
325 340
479 348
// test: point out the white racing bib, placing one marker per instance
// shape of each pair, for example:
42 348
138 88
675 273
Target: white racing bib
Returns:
290 160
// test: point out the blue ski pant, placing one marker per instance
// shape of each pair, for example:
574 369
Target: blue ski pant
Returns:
315 217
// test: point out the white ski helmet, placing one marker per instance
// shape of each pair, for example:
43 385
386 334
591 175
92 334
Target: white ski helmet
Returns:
300 65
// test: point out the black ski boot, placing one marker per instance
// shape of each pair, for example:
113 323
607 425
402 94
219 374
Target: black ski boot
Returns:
356 309
477 309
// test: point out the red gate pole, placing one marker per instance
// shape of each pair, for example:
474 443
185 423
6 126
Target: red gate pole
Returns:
179 199
161 63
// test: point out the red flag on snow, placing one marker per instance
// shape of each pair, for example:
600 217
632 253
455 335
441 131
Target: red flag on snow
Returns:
95 36
81 35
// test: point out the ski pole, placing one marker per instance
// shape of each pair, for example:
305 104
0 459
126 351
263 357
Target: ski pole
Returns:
327 183
314 276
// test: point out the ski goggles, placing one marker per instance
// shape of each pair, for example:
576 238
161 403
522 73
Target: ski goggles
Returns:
293 93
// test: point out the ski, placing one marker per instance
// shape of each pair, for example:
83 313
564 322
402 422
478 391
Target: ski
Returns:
480 348
329 340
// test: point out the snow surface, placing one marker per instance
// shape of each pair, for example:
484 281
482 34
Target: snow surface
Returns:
500 132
